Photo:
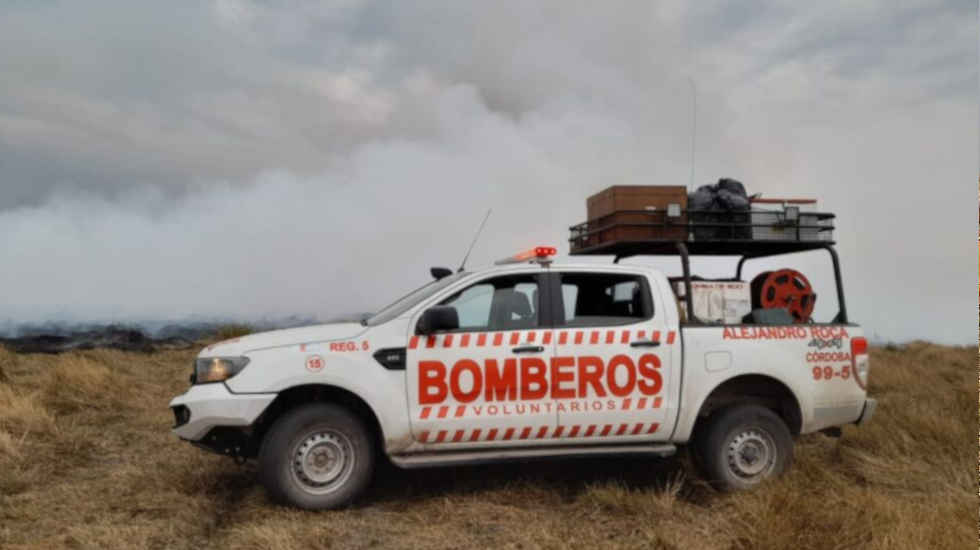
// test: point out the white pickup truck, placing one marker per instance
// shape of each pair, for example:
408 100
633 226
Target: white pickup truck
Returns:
525 359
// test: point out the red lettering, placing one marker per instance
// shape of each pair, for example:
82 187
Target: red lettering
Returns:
558 376
614 388
501 386
533 371
590 372
474 370
651 380
432 386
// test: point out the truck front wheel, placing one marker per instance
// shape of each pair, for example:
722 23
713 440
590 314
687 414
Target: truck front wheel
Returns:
317 456
742 445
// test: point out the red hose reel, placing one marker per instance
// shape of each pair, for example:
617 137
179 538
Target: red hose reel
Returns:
784 288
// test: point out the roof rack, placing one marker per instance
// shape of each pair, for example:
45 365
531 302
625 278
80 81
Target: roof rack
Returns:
704 232
748 234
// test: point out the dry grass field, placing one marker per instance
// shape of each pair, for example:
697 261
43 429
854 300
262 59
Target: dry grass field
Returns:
87 461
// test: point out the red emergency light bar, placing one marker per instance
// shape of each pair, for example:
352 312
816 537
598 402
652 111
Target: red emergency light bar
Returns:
541 254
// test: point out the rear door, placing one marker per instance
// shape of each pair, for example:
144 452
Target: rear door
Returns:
486 384
611 328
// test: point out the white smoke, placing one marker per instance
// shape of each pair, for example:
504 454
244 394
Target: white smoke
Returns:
317 161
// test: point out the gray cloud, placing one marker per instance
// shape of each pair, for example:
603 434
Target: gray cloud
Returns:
245 158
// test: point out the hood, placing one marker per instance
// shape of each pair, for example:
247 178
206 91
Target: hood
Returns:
285 337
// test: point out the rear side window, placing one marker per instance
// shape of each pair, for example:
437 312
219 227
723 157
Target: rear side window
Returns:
600 299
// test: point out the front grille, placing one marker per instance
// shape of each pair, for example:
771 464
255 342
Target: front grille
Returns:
182 415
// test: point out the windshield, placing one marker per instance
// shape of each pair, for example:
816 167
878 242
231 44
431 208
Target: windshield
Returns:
408 301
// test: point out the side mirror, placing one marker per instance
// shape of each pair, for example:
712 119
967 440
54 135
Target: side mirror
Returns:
437 318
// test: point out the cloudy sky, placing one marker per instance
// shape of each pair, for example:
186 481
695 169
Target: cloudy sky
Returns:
244 159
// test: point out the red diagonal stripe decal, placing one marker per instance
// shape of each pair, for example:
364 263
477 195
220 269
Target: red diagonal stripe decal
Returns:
656 403
492 434
530 337
425 412
622 429
656 336
542 432
460 410
413 342
625 338
562 338
441 436
443 410
606 429
448 342
626 404
423 436
546 339
578 337
594 337
641 335
430 341
498 338
642 403
637 429
574 431
464 341
509 433
515 337
653 428
610 336
525 432
475 436
590 430
558 431
458 436
481 340
670 337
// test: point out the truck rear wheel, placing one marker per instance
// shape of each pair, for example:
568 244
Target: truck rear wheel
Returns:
317 456
742 445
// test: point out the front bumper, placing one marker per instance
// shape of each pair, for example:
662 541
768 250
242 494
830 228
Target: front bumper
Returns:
870 404
207 406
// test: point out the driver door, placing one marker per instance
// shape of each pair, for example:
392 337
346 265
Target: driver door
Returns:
487 382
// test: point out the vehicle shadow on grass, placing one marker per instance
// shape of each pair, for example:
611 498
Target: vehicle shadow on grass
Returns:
567 478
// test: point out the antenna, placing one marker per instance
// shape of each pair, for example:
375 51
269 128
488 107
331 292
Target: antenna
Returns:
694 126
475 237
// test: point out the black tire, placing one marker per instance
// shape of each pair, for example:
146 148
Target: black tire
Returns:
741 446
317 456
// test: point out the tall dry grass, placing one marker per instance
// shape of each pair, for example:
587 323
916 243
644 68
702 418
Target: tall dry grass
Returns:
87 461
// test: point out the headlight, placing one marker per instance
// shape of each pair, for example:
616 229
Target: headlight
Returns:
217 369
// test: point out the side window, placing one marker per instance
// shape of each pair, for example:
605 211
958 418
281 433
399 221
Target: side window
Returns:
599 299
503 303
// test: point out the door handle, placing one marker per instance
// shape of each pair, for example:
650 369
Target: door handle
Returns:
528 349
644 344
